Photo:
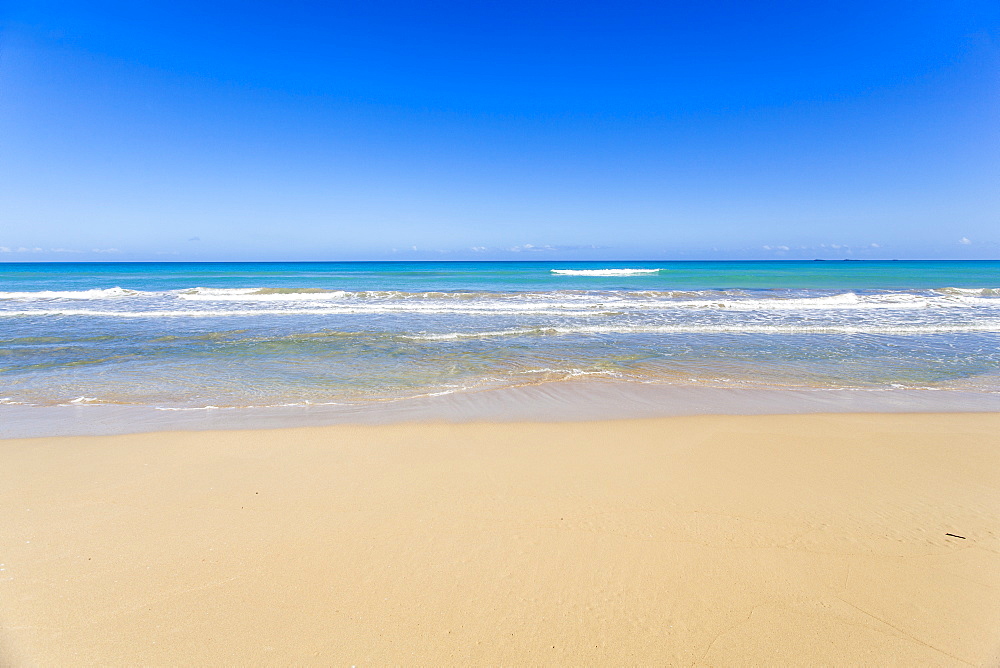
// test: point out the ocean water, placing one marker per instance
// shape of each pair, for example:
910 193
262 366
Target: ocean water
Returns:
249 336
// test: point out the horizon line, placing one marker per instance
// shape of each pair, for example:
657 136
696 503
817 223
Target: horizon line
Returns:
846 259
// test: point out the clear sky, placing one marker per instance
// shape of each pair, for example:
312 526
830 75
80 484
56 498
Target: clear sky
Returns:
501 130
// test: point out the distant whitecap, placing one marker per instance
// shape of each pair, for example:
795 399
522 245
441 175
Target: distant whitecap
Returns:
604 272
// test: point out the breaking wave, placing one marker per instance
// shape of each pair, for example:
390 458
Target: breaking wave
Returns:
261 294
314 301
96 293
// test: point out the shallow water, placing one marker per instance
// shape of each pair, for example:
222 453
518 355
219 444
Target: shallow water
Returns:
193 336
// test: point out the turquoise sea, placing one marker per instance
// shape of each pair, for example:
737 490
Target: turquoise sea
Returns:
207 336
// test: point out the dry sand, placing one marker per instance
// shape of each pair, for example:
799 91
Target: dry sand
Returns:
717 541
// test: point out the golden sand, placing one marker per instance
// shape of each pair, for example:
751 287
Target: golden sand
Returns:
707 541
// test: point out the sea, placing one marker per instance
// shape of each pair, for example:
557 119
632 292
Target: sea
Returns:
101 348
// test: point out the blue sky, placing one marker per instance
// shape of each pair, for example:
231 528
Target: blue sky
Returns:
514 130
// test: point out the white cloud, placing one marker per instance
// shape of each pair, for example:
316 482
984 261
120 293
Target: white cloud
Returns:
532 248
64 250
874 245
4 249
104 250
781 248
965 241
520 248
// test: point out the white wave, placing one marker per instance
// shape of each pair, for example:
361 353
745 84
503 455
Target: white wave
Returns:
572 373
160 314
96 293
193 408
473 303
259 294
972 292
992 327
220 291
569 302
362 296
590 304
540 310
604 272
450 336
846 300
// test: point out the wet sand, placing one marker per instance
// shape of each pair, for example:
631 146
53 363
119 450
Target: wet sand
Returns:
707 540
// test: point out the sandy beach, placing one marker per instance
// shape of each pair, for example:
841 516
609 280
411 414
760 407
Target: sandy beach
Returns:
689 541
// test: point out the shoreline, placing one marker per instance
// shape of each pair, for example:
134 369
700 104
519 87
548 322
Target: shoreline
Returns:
698 540
559 401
